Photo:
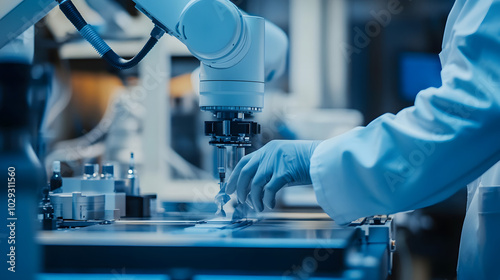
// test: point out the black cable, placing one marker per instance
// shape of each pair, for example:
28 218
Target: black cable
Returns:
118 62
87 32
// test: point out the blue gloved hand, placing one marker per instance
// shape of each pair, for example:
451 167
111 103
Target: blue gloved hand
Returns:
264 172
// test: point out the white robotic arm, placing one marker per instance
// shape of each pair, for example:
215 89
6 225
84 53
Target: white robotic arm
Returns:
238 54
213 30
231 46
236 61
216 32
235 64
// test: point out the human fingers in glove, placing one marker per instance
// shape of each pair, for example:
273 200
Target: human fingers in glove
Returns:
263 173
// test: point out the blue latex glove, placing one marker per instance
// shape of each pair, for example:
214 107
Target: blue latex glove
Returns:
264 172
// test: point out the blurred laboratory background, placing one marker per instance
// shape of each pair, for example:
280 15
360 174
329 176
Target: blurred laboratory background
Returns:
349 62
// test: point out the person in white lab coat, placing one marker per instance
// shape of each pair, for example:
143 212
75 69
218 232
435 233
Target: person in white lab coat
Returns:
416 158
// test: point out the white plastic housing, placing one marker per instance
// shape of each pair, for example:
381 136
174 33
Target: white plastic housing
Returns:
240 87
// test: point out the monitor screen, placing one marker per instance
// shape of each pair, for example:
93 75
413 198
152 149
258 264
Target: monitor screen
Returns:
418 71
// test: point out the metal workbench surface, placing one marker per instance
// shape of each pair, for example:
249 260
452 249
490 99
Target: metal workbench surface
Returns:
277 244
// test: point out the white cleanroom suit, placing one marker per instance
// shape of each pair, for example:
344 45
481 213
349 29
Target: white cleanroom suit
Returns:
429 151
416 158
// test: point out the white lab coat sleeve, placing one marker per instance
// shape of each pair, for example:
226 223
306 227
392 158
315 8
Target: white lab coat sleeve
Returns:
427 152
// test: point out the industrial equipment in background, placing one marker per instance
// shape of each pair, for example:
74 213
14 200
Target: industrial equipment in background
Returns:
229 44
94 198
231 48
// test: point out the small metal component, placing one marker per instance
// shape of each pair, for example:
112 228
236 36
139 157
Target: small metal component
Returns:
230 130
221 162
56 179
222 198
63 205
238 154
76 206
107 171
56 167
46 211
132 177
90 171
226 127
87 207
